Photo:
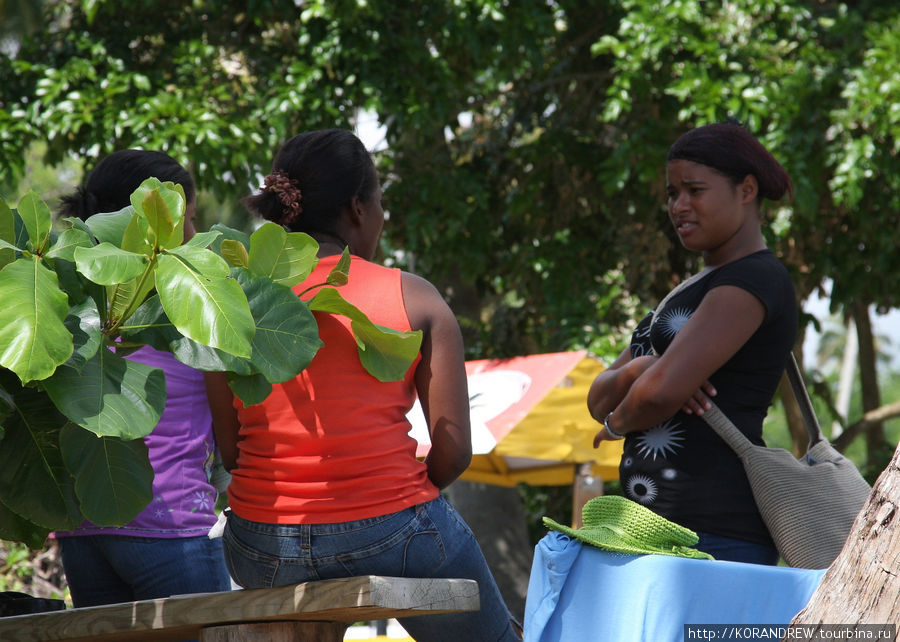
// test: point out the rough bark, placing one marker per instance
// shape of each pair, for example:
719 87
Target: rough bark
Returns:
862 586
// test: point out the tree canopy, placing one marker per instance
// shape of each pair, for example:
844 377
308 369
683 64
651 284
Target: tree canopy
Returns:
526 140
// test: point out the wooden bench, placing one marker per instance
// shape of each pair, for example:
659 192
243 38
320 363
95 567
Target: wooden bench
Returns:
319 611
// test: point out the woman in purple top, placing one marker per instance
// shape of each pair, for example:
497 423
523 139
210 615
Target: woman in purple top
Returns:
165 550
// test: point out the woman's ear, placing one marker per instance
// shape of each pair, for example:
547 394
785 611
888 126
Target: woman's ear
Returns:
749 189
356 211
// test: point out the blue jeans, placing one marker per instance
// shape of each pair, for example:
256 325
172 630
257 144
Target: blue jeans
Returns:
109 569
737 550
427 540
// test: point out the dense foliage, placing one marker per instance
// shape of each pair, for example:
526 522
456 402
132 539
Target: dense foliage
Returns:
73 410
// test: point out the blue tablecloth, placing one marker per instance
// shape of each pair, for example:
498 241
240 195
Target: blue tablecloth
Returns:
578 592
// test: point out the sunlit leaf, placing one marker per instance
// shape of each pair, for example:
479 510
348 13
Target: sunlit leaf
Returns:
285 258
109 227
108 265
235 253
64 247
37 219
202 301
33 338
385 353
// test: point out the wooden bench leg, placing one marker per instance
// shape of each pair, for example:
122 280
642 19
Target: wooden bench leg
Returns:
276 632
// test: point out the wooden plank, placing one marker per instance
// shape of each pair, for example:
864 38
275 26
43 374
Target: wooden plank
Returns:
340 600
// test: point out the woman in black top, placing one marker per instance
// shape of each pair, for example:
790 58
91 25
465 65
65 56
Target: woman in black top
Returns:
727 334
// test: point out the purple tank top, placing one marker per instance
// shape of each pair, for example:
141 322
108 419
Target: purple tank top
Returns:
182 448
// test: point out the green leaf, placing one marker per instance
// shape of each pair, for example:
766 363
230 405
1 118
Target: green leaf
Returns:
34 482
109 227
64 247
385 353
110 396
7 235
37 218
203 239
108 265
340 273
160 220
235 253
285 258
113 477
33 337
202 302
228 234
83 321
149 325
287 335
251 390
15 528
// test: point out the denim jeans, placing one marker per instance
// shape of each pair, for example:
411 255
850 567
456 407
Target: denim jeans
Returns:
737 550
427 540
109 569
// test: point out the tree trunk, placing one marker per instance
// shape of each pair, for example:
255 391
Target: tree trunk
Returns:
868 377
862 586
496 516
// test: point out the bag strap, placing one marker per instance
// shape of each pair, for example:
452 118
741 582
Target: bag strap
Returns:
725 428
802 397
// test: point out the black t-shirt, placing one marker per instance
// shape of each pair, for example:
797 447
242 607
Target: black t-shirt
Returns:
680 468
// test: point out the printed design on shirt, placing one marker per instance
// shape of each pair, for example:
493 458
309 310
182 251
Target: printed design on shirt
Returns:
672 320
202 501
640 342
642 489
661 440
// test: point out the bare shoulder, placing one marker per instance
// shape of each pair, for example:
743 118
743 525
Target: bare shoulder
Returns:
424 304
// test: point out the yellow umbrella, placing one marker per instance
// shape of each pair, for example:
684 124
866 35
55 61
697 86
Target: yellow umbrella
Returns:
530 421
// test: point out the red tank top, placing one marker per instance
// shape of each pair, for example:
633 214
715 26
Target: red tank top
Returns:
333 444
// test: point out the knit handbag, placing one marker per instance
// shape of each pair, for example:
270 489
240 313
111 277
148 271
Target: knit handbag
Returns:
808 504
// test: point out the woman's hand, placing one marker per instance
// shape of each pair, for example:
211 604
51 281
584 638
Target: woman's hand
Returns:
700 400
603 435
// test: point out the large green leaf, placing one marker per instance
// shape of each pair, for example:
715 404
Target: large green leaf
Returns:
83 321
37 218
287 335
285 258
149 325
15 528
108 265
34 482
110 396
202 301
385 353
164 210
7 234
228 233
113 477
251 389
109 227
64 247
33 337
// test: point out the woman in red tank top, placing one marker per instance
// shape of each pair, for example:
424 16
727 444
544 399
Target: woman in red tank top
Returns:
325 481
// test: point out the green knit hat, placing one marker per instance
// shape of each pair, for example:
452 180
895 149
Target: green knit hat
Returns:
615 523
